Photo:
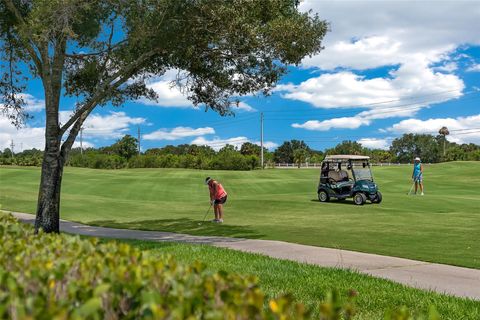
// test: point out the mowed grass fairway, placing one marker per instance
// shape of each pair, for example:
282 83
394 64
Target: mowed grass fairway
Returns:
310 284
443 226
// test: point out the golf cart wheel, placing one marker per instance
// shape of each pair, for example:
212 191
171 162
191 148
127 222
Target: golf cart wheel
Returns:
359 199
378 198
323 196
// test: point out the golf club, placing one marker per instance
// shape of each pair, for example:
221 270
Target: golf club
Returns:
206 213
411 188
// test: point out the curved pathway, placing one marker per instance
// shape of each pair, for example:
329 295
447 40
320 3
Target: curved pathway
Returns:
457 281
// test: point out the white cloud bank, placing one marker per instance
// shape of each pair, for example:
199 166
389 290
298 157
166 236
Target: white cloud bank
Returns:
375 143
474 68
412 87
111 126
462 129
178 133
391 32
218 143
413 39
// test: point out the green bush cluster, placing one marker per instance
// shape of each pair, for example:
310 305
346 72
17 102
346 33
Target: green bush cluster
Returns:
97 161
220 161
51 276
48 276
31 158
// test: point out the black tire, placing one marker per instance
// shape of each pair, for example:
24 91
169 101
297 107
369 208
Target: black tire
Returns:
323 196
378 198
359 199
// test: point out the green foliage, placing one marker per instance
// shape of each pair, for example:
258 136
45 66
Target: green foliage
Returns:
346 147
409 146
284 153
31 157
126 147
59 276
52 276
300 156
250 149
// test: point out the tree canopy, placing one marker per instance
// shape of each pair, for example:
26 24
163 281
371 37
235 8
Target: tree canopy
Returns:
106 52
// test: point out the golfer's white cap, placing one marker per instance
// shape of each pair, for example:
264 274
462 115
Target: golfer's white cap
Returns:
207 180
417 159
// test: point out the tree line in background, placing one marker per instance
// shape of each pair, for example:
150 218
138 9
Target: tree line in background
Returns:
124 154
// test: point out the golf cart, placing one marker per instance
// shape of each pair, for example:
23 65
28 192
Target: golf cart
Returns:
346 176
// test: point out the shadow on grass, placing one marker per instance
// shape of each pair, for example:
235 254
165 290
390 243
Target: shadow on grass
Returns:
346 201
183 225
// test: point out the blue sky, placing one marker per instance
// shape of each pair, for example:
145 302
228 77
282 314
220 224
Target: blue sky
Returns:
388 68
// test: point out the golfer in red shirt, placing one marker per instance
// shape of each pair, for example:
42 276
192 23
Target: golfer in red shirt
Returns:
218 196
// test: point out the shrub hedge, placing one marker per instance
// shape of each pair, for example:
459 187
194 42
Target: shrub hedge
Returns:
51 276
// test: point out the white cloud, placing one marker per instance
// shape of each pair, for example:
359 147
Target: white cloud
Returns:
32 104
325 125
23 138
412 82
178 133
85 144
411 87
369 34
474 68
413 39
447 67
242 106
375 143
114 125
218 143
168 95
111 126
462 129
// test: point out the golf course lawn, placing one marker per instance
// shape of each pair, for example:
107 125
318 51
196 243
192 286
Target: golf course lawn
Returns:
442 226
309 284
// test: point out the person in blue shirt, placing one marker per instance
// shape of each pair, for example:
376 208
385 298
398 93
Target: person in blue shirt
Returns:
417 175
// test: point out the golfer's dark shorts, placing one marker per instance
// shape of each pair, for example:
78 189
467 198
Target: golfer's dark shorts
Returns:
221 200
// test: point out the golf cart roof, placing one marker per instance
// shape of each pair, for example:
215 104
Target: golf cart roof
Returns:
344 157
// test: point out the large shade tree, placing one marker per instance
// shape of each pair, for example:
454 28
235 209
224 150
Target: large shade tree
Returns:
105 52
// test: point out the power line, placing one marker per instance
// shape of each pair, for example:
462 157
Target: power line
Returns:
261 140
138 133
81 141
384 102
12 145
389 110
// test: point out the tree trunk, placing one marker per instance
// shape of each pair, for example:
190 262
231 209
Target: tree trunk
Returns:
48 207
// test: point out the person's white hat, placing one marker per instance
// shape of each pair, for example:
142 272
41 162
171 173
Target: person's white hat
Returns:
417 159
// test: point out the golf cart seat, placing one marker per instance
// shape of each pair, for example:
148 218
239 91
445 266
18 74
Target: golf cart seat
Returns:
340 178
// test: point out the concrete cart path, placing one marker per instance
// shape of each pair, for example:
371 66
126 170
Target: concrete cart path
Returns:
458 281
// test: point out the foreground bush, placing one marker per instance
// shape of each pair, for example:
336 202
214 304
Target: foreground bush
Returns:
49 276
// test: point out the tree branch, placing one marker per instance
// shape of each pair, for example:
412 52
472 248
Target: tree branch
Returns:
30 49
91 54
108 86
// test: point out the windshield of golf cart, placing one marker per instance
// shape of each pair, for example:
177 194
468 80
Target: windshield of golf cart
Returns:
362 171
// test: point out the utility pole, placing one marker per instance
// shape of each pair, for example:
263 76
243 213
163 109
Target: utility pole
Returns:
261 139
21 146
81 141
12 145
138 133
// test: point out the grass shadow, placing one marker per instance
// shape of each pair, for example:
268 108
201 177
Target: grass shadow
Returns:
183 225
346 201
